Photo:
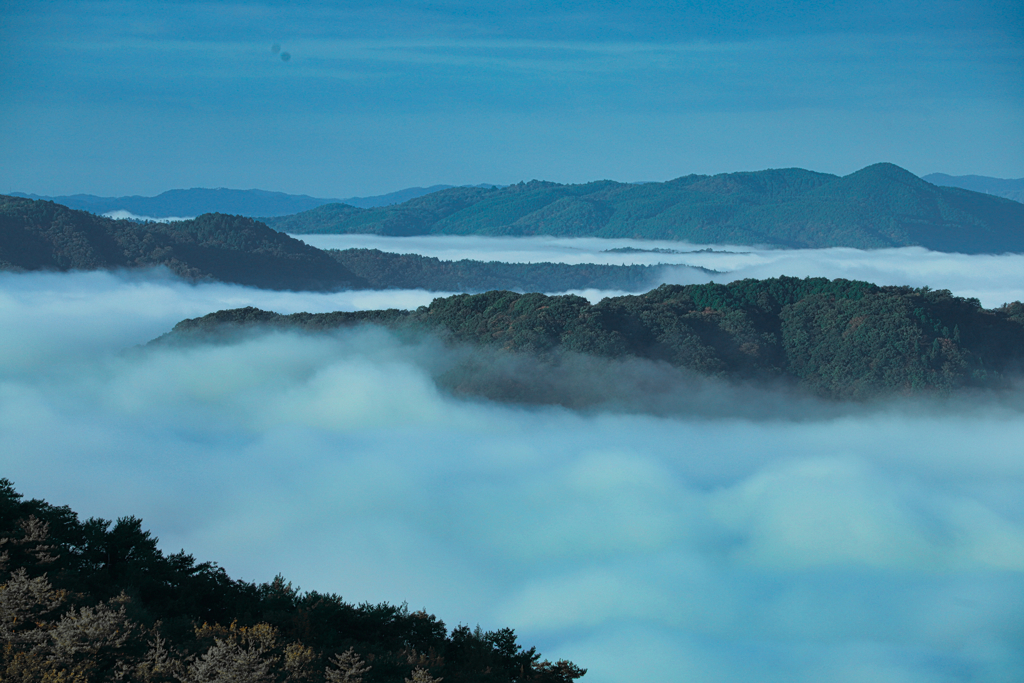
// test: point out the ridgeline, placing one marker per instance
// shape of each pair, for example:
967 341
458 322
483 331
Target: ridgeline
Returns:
40 235
877 207
839 339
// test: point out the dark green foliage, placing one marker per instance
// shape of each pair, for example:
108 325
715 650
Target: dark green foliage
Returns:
879 206
90 601
837 338
38 235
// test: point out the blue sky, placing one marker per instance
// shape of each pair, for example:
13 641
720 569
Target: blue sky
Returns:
139 97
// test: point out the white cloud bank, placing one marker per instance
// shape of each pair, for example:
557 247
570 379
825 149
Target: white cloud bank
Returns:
122 214
878 545
993 279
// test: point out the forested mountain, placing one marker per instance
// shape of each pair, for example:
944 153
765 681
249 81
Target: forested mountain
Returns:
1010 188
38 235
879 206
836 338
383 270
89 601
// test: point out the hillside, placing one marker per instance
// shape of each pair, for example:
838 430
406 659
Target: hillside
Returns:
38 235
85 601
840 339
876 207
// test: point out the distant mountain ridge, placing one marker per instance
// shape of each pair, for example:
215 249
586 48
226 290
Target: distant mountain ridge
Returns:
879 206
383 270
1010 188
40 235
196 201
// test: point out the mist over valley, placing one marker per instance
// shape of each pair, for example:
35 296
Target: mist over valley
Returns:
603 341
721 532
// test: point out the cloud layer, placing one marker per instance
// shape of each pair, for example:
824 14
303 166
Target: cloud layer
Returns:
993 279
803 545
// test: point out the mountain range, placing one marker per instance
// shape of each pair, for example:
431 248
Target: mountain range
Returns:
41 235
879 206
1000 187
252 203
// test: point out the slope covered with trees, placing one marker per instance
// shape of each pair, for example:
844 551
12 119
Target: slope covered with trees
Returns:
879 206
841 339
38 235
89 601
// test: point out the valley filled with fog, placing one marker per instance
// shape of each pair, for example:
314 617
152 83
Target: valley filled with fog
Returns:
994 279
805 542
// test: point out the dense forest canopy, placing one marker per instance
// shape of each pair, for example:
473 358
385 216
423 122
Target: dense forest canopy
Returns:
835 338
877 207
89 601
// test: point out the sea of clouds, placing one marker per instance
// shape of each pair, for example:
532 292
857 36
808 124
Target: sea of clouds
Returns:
993 279
121 214
802 543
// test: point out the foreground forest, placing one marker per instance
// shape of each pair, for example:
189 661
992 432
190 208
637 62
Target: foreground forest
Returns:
840 339
879 206
89 601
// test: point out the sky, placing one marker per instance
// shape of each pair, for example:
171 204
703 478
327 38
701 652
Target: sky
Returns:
362 98
708 533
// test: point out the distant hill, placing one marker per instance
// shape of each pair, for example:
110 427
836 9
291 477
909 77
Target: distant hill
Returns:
1000 187
194 202
383 270
39 235
836 338
251 203
879 206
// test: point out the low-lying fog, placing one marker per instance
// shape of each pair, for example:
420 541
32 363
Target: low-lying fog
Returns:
881 544
993 279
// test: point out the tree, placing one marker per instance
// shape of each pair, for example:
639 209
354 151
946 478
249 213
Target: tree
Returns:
348 667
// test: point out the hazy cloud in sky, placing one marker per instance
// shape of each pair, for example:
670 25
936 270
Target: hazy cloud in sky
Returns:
141 97
806 544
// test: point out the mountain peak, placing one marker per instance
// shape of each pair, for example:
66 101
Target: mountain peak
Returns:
885 171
